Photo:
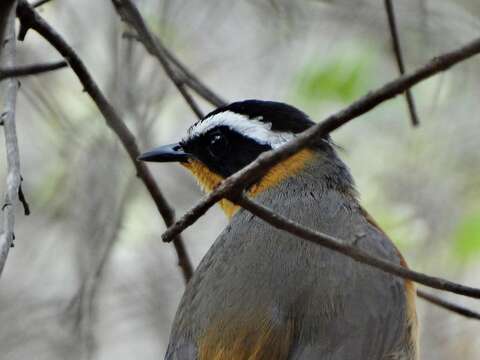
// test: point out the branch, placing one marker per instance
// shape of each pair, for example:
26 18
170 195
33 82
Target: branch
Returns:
192 80
265 161
351 250
34 69
460 310
5 9
130 15
29 18
39 3
7 52
23 200
398 55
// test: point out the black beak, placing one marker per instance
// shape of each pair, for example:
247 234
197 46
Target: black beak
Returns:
165 153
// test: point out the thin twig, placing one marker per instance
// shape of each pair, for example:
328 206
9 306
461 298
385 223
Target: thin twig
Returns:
29 18
398 56
23 200
33 69
130 15
265 161
5 9
192 80
447 305
8 52
39 3
350 250
187 76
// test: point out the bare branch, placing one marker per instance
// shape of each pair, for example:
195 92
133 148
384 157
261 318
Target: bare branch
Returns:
350 250
460 310
265 161
23 200
39 3
130 14
29 18
7 52
155 47
5 9
34 69
398 55
192 80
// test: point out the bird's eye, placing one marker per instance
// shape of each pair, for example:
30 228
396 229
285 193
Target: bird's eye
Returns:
218 145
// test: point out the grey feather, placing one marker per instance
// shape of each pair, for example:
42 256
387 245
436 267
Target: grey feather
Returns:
342 309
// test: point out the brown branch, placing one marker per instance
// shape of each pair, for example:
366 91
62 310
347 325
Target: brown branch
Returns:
39 3
265 161
33 69
13 181
460 310
23 200
130 15
5 9
350 250
187 77
192 80
398 56
154 45
29 18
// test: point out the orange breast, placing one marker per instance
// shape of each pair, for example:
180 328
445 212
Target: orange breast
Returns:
208 180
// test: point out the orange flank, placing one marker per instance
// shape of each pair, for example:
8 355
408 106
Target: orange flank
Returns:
247 340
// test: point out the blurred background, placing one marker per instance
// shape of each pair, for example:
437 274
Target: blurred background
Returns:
89 277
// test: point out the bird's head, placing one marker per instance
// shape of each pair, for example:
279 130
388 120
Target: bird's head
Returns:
231 137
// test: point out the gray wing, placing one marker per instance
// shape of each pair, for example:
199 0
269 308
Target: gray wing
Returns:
346 310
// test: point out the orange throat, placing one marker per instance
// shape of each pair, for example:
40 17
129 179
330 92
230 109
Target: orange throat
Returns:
209 180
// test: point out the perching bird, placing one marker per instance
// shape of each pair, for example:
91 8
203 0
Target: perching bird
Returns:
261 293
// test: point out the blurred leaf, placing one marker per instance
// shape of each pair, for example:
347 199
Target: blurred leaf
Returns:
343 78
467 238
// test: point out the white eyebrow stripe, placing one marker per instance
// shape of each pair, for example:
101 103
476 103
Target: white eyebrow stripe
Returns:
252 128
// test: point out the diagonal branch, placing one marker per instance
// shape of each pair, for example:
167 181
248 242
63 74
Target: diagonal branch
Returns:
460 310
265 161
190 79
183 76
398 56
14 179
30 19
350 250
33 69
39 3
6 7
130 15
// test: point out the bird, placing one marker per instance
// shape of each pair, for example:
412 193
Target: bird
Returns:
262 293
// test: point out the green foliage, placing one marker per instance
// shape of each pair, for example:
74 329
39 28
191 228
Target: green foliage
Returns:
467 238
342 78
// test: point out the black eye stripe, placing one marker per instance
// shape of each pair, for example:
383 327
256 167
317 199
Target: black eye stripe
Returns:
233 153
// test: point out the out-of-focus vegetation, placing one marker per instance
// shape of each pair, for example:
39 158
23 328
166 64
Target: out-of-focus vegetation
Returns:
342 77
467 238
89 276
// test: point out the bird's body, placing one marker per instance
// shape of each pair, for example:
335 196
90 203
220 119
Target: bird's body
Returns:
262 293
